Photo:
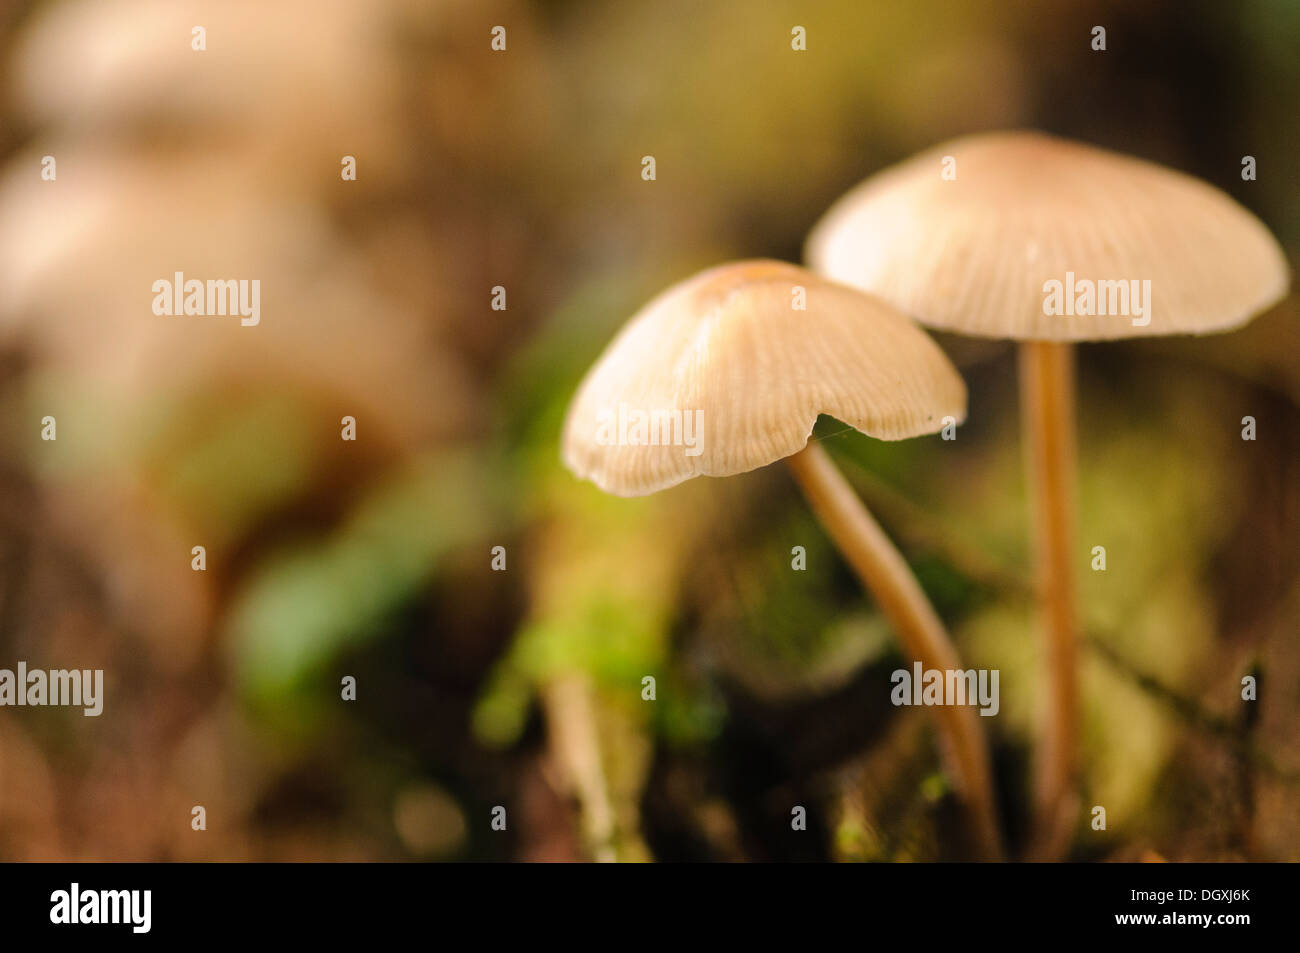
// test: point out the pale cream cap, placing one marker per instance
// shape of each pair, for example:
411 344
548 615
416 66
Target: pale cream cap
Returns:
975 253
733 376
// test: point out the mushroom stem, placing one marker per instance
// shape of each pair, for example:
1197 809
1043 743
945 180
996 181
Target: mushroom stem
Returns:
887 576
1047 406
576 747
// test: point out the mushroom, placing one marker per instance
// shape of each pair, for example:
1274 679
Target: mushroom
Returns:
722 374
1024 236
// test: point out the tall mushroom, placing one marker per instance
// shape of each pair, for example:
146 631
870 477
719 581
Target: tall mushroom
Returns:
1043 241
722 374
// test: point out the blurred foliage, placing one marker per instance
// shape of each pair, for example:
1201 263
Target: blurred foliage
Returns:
299 608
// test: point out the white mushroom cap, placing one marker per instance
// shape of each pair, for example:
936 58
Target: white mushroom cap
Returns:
974 253
722 374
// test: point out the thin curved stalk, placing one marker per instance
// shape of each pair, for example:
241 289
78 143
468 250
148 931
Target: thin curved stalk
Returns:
887 576
1047 406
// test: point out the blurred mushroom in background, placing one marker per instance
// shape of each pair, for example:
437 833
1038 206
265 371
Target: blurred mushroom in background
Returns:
232 163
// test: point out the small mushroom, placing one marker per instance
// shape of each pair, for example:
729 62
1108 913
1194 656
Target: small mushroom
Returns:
1012 244
722 374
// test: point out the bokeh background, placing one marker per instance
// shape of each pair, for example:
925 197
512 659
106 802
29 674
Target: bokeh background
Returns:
522 688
